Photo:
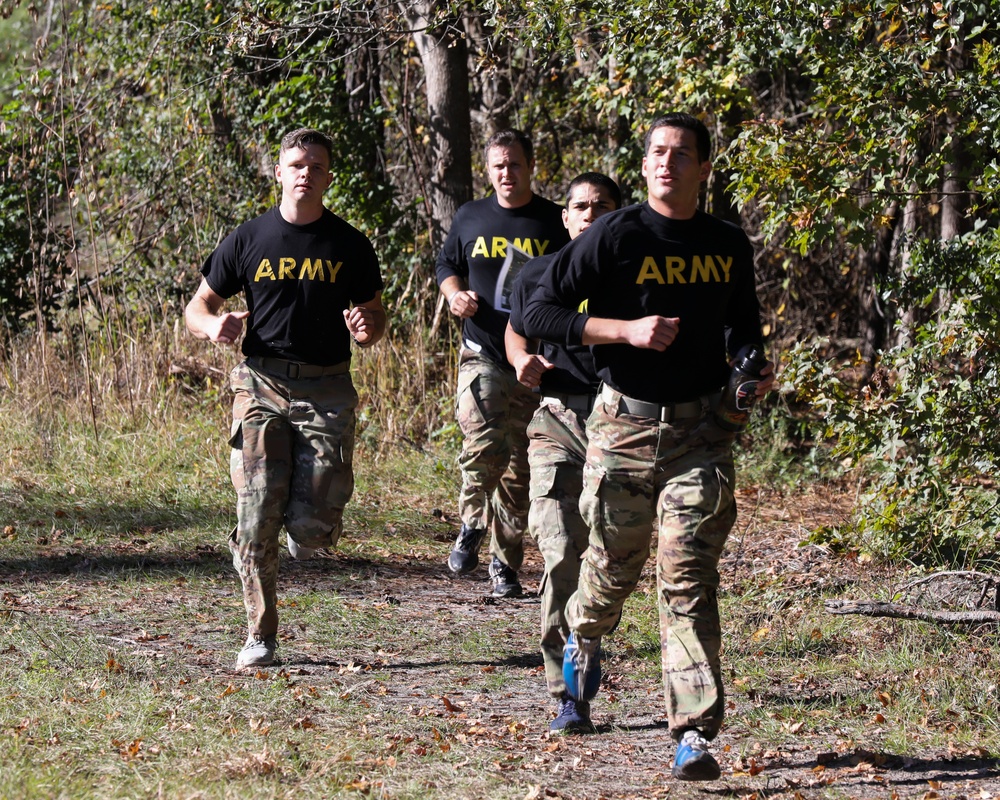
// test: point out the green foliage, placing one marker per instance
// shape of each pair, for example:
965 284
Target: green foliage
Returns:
895 96
15 47
841 127
32 258
779 449
922 433
13 248
145 186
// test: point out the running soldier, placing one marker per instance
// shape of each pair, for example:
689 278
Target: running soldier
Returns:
671 296
489 240
294 409
557 446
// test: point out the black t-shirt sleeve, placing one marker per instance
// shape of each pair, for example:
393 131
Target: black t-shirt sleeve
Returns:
221 269
743 314
367 281
451 260
551 311
524 284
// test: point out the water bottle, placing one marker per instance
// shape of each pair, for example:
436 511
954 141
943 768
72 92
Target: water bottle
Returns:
739 395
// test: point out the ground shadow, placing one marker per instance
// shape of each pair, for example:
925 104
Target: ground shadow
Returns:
145 557
893 771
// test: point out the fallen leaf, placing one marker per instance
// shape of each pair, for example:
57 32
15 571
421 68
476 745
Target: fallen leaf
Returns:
760 633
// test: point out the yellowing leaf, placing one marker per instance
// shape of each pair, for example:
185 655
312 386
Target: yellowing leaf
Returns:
760 633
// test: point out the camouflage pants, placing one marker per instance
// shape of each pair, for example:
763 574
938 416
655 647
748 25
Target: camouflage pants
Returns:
291 465
679 477
493 412
557 445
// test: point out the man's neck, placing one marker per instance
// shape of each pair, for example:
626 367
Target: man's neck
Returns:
673 210
521 204
298 214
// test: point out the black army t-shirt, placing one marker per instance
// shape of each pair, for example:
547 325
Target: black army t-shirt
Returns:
573 365
476 249
297 279
635 263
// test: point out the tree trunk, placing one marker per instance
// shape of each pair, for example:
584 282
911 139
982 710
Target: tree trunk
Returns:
955 193
490 78
364 91
444 55
874 264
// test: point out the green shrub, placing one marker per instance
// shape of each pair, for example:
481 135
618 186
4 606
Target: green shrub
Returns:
921 433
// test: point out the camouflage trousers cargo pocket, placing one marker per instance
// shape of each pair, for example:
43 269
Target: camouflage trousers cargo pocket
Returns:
292 455
493 412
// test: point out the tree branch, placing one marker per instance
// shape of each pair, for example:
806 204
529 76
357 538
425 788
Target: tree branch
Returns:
871 608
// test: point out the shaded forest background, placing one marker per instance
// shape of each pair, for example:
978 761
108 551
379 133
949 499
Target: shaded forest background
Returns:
857 143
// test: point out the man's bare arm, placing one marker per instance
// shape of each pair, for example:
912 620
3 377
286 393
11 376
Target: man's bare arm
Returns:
201 315
651 333
367 321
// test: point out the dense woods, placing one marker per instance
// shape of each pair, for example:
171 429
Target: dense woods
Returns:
857 142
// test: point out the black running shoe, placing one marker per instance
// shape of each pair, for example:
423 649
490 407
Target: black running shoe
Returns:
464 555
505 582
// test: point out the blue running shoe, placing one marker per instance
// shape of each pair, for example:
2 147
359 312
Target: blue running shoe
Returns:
582 667
693 762
573 717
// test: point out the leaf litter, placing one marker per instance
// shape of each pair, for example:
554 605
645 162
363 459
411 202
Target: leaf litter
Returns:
495 701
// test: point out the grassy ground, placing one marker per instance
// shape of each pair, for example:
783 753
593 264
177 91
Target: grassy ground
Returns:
122 618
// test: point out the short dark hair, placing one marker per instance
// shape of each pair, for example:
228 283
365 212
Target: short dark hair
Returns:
507 137
305 136
595 179
688 122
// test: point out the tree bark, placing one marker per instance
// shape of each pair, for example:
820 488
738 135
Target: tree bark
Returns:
490 78
363 88
874 265
444 55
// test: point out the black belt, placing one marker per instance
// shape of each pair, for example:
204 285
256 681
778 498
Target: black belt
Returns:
665 412
294 370
581 403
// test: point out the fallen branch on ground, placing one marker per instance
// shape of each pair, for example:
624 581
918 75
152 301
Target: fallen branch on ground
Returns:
871 608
